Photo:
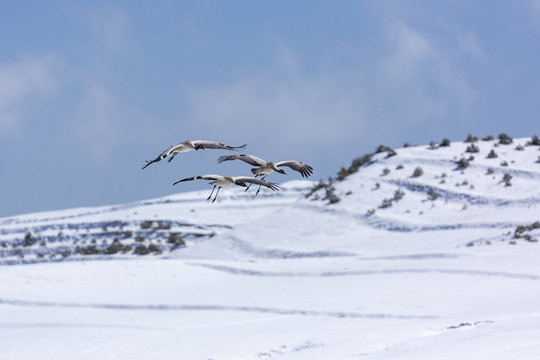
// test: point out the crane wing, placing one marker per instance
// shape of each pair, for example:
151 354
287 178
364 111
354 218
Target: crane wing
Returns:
202 177
204 144
253 180
302 168
250 159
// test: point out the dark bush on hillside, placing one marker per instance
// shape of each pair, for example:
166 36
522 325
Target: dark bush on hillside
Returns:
505 139
331 196
418 172
519 148
471 139
462 163
398 194
432 195
386 204
445 142
433 145
147 224
506 179
175 239
29 239
391 153
519 233
472 149
114 248
535 140
487 138
382 148
492 154
88 250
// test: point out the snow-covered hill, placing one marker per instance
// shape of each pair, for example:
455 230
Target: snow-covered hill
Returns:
420 252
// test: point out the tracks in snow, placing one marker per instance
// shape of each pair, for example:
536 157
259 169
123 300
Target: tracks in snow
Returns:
219 308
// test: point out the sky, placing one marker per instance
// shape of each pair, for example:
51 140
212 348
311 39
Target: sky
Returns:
90 90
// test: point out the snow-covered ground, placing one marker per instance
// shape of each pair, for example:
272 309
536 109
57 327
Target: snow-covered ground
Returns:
387 272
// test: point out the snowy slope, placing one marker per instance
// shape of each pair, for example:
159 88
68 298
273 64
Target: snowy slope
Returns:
386 272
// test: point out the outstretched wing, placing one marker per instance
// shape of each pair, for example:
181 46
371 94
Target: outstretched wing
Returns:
302 168
202 177
250 159
253 180
204 144
164 154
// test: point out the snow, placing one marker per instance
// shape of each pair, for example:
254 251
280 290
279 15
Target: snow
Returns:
287 276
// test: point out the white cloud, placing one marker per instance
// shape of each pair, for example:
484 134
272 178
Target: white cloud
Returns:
414 82
20 82
422 82
95 124
303 111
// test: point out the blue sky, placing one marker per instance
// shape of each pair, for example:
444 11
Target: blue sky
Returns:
90 90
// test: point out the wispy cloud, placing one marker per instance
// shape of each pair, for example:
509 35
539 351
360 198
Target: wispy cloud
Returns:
21 82
421 81
101 115
95 121
413 81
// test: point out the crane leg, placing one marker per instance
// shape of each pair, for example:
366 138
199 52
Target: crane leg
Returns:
211 192
217 192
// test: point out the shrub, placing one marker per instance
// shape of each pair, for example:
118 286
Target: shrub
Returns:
386 171
520 147
141 250
385 204
154 248
432 195
342 174
358 162
504 163
471 139
370 212
472 148
490 171
505 139
147 224
139 238
114 248
176 239
399 167
29 239
331 196
487 138
162 226
382 148
506 179
433 145
492 154
462 163
535 140
418 172
88 250
445 142
398 194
